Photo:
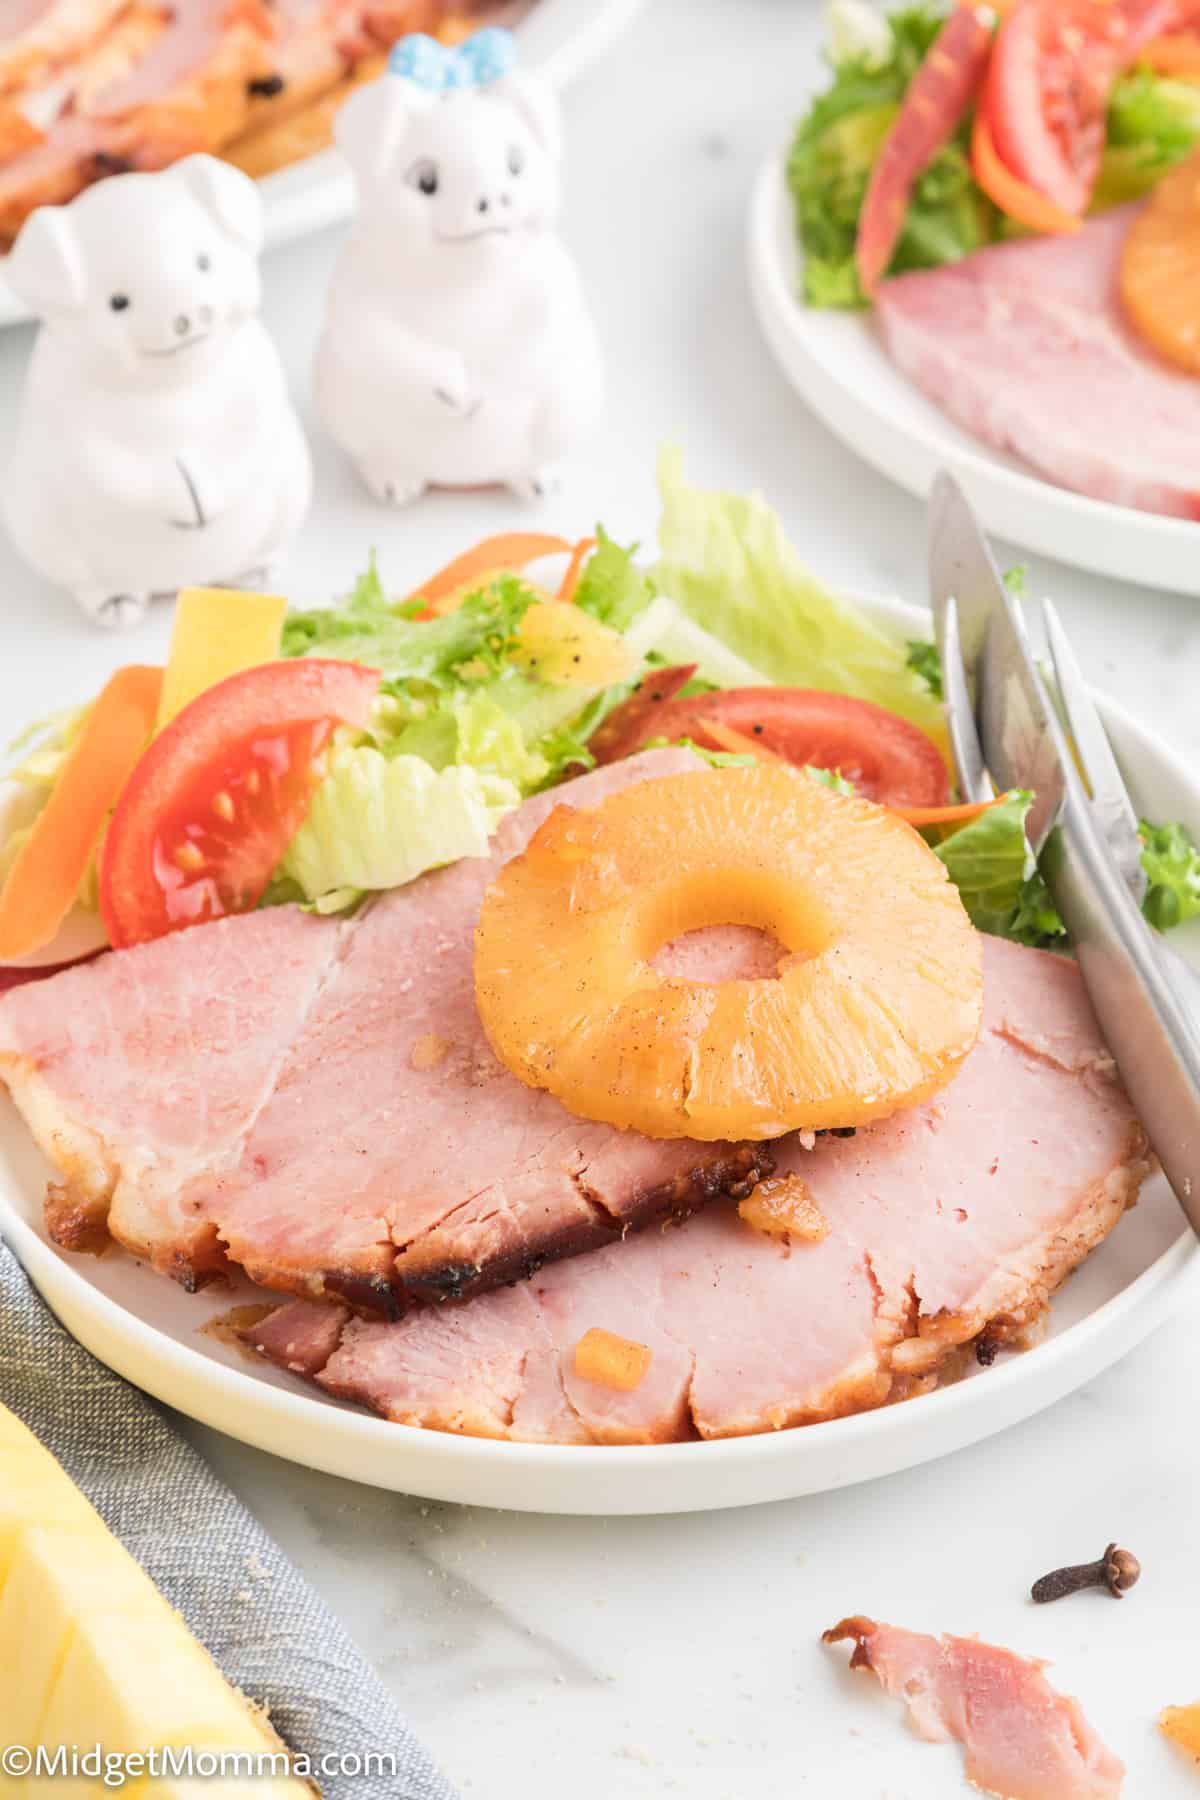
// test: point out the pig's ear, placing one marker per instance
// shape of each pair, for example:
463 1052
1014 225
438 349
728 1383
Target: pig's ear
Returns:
45 268
538 107
370 126
230 199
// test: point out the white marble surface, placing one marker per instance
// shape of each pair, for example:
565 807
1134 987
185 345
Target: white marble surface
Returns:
621 1659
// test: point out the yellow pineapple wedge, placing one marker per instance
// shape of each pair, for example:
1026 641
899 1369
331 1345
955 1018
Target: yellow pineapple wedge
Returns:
878 995
91 1653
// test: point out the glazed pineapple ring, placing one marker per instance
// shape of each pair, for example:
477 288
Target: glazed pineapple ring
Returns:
877 999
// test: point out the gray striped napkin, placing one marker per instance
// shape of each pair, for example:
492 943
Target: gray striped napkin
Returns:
241 1596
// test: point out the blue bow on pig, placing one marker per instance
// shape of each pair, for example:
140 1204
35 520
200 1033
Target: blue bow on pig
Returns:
482 58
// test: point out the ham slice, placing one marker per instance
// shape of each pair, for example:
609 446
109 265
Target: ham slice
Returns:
1023 1741
949 1223
318 1103
1024 346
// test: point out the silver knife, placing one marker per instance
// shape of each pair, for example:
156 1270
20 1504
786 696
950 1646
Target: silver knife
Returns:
1134 990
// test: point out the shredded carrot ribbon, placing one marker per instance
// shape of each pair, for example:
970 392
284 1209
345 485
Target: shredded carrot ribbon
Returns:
500 555
1178 53
493 556
726 737
579 555
947 815
1013 196
44 879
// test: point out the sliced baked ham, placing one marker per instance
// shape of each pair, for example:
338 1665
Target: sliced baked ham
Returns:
1024 345
1022 1740
317 1102
949 1223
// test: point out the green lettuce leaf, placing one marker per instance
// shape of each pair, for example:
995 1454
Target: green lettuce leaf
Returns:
990 863
727 564
456 691
923 659
1153 123
1172 865
377 823
613 587
665 631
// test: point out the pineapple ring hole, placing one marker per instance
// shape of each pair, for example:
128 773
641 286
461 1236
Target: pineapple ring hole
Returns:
716 953
746 937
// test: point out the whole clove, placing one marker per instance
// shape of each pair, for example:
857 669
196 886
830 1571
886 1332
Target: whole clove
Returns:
1117 1570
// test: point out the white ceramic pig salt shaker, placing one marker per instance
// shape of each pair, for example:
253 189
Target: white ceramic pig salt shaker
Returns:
457 348
156 446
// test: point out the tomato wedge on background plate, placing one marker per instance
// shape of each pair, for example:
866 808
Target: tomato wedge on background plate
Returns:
211 806
1048 82
885 758
933 108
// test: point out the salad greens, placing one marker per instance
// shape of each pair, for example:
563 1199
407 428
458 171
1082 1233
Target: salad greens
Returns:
466 688
1153 122
991 865
835 148
376 822
482 706
727 563
1172 866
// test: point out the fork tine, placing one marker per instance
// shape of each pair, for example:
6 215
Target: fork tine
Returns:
1110 798
971 773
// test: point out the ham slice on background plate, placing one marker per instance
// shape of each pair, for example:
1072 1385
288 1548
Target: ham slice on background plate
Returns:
1024 345
1022 1740
957 1218
316 1101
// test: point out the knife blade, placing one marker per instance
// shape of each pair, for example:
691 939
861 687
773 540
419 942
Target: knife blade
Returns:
1134 988
1022 743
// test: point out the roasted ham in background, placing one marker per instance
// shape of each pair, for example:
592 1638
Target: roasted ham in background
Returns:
89 88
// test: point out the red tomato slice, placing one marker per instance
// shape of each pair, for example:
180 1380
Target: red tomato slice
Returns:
633 722
937 99
887 759
1048 84
211 806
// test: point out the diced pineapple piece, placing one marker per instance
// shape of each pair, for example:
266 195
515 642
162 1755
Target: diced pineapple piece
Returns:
1182 1725
781 1206
568 648
217 632
612 1361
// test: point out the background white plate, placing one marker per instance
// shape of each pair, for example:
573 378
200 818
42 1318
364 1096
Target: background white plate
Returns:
837 364
559 37
150 1331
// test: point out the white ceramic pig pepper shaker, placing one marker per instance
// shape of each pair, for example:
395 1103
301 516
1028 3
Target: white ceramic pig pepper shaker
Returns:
457 348
156 446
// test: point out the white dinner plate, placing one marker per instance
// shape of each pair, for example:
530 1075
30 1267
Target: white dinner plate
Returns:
837 364
150 1331
558 37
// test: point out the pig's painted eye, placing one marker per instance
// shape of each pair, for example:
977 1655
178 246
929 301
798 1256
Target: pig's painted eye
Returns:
424 175
516 159
204 262
119 302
